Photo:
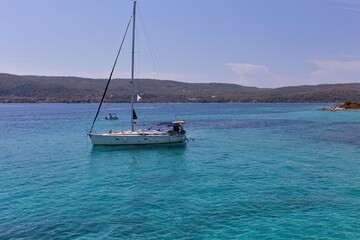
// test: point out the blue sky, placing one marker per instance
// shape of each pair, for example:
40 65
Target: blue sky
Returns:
262 43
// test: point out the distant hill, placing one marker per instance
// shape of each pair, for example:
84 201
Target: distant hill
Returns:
18 89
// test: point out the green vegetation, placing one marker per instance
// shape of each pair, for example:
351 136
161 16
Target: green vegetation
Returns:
348 104
33 89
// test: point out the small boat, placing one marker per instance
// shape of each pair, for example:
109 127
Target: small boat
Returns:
161 133
111 116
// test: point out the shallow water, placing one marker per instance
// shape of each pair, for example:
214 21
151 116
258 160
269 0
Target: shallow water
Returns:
252 171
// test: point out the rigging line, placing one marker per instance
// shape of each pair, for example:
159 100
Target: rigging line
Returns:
112 71
138 54
150 47
175 112
138 68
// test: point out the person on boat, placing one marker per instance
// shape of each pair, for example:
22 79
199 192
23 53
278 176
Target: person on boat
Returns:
178 129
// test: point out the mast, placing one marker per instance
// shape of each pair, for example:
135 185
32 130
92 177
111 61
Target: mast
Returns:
132 70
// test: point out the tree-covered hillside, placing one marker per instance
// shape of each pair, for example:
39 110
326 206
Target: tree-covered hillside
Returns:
15 88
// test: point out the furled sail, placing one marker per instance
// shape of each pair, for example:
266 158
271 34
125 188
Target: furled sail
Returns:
134 116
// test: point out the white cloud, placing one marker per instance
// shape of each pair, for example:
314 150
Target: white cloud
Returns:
327 71
353 5
348 56
247 74
253 75
334 71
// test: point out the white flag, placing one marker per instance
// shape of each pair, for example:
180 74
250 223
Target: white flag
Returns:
138 98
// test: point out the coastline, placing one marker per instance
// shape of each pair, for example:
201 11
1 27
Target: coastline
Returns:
347 106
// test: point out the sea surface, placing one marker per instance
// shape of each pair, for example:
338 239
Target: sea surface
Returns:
249 171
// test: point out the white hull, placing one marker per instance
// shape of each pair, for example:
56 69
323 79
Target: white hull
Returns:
136 138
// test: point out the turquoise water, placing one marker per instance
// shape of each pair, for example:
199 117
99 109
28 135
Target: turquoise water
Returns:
265 171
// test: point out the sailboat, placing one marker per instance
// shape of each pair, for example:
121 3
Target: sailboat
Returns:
162 133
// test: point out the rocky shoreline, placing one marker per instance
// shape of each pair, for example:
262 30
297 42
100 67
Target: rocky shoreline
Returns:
348 105
333 108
